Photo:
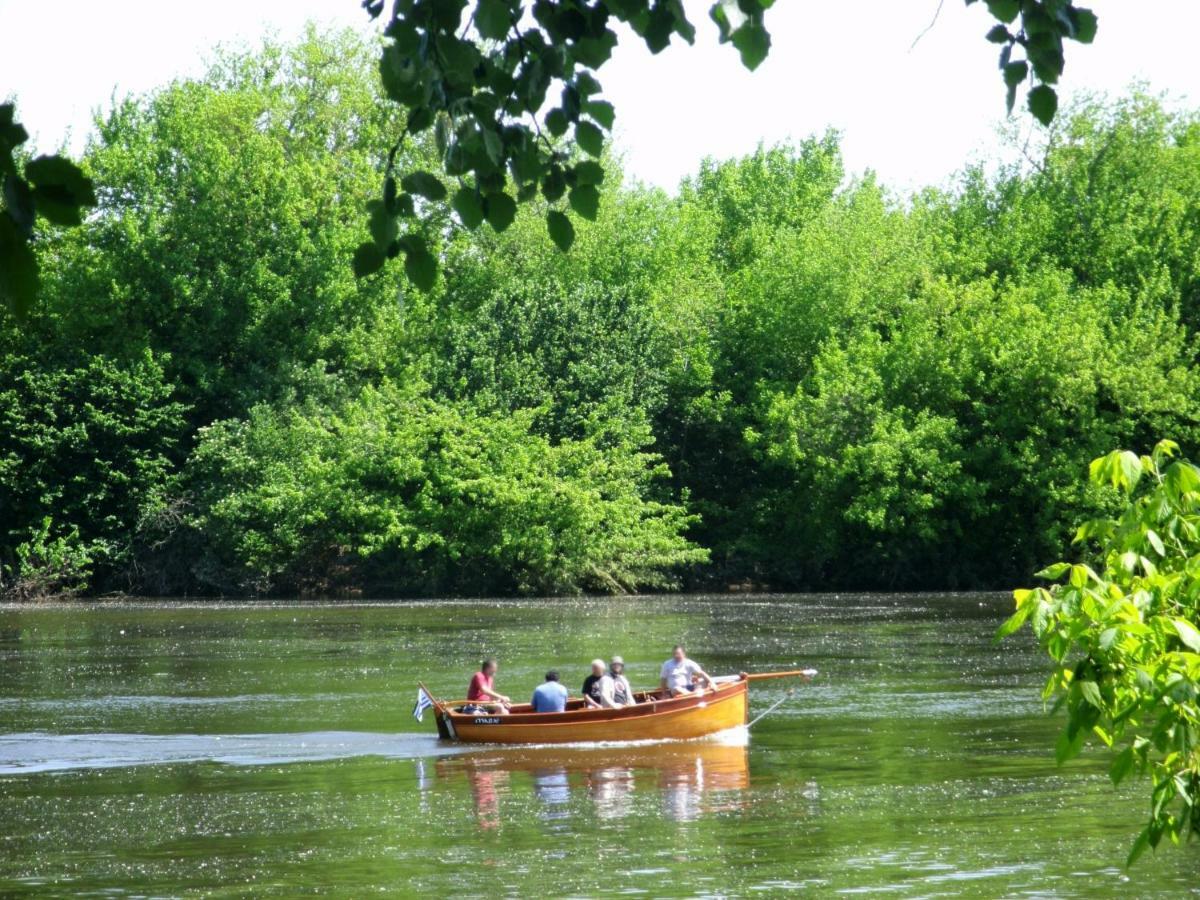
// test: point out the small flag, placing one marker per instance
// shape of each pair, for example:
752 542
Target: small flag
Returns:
424 702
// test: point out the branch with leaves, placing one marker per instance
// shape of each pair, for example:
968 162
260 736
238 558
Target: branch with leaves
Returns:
1124 638
513 99
52 187
515 107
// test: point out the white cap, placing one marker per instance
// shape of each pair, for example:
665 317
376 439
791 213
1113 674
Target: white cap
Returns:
598 662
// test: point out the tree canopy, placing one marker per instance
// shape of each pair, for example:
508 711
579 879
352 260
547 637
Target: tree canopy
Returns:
782 369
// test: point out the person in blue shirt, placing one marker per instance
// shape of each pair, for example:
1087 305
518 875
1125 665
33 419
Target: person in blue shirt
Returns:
550 696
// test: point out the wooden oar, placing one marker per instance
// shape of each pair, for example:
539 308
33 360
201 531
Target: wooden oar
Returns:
793 673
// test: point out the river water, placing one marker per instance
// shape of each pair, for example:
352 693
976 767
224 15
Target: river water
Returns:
269 749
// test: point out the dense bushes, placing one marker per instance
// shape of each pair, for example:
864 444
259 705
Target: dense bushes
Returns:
801 377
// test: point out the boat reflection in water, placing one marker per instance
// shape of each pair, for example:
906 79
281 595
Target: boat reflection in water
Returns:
685 779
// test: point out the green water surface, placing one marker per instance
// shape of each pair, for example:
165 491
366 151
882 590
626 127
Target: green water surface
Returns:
268 749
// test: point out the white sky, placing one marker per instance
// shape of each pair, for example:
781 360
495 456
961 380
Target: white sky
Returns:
913 114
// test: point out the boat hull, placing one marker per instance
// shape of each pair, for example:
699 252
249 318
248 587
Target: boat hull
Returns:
679 718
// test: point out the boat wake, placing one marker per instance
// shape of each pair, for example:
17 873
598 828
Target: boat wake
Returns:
40 752
33 752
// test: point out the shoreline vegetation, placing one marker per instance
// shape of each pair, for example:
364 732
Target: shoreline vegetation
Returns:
782 376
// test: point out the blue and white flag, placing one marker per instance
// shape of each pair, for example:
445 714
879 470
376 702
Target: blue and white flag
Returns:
424 702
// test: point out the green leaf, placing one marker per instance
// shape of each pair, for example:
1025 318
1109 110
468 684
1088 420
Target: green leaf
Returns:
1053 572
1121 765
1004 10
999 35
585 200
368 258
493 18
602 111
753 43
499 209
1139 847
381 223
59 172
420 267
556 122
1091 693
1187 633
467 204
589 137
1015 72
1068 747
18 269
562 232
1015 621
424 184
1156 542
1085 25
589 172
1043 103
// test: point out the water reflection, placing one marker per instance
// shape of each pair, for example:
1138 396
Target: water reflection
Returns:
684 781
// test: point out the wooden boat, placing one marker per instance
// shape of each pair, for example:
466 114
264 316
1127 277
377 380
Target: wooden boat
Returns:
653 718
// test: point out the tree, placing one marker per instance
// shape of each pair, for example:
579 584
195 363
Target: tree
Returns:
516 110
1123 635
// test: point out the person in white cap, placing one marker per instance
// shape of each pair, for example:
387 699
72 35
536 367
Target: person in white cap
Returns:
614 688
591 685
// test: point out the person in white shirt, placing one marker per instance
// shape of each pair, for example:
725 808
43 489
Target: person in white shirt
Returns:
614 687
681 675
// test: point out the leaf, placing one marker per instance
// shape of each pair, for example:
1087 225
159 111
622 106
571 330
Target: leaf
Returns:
753 42
1004 10
1053 572
589 172
467 204
1187 633
1121 765
1091 693
1014 622
1043 103
59 172
556 122
420 267
1068 747
562 232
18 269
1156 542
381 223
499 209
999 35
368 258
602 111
493 19
1086 24
1139 847
424 184
1015 72
585 200
589 137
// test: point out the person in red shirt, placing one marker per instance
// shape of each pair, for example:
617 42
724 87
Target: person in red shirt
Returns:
481 689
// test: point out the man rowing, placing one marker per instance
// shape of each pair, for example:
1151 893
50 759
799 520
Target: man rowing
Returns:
482 690
681 676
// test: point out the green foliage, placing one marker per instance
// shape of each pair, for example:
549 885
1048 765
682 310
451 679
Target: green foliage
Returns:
84 444
398 492
486 87
52 187
847 389
47 567
1123 635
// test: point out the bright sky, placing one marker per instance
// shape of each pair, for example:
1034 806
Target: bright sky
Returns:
913 114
